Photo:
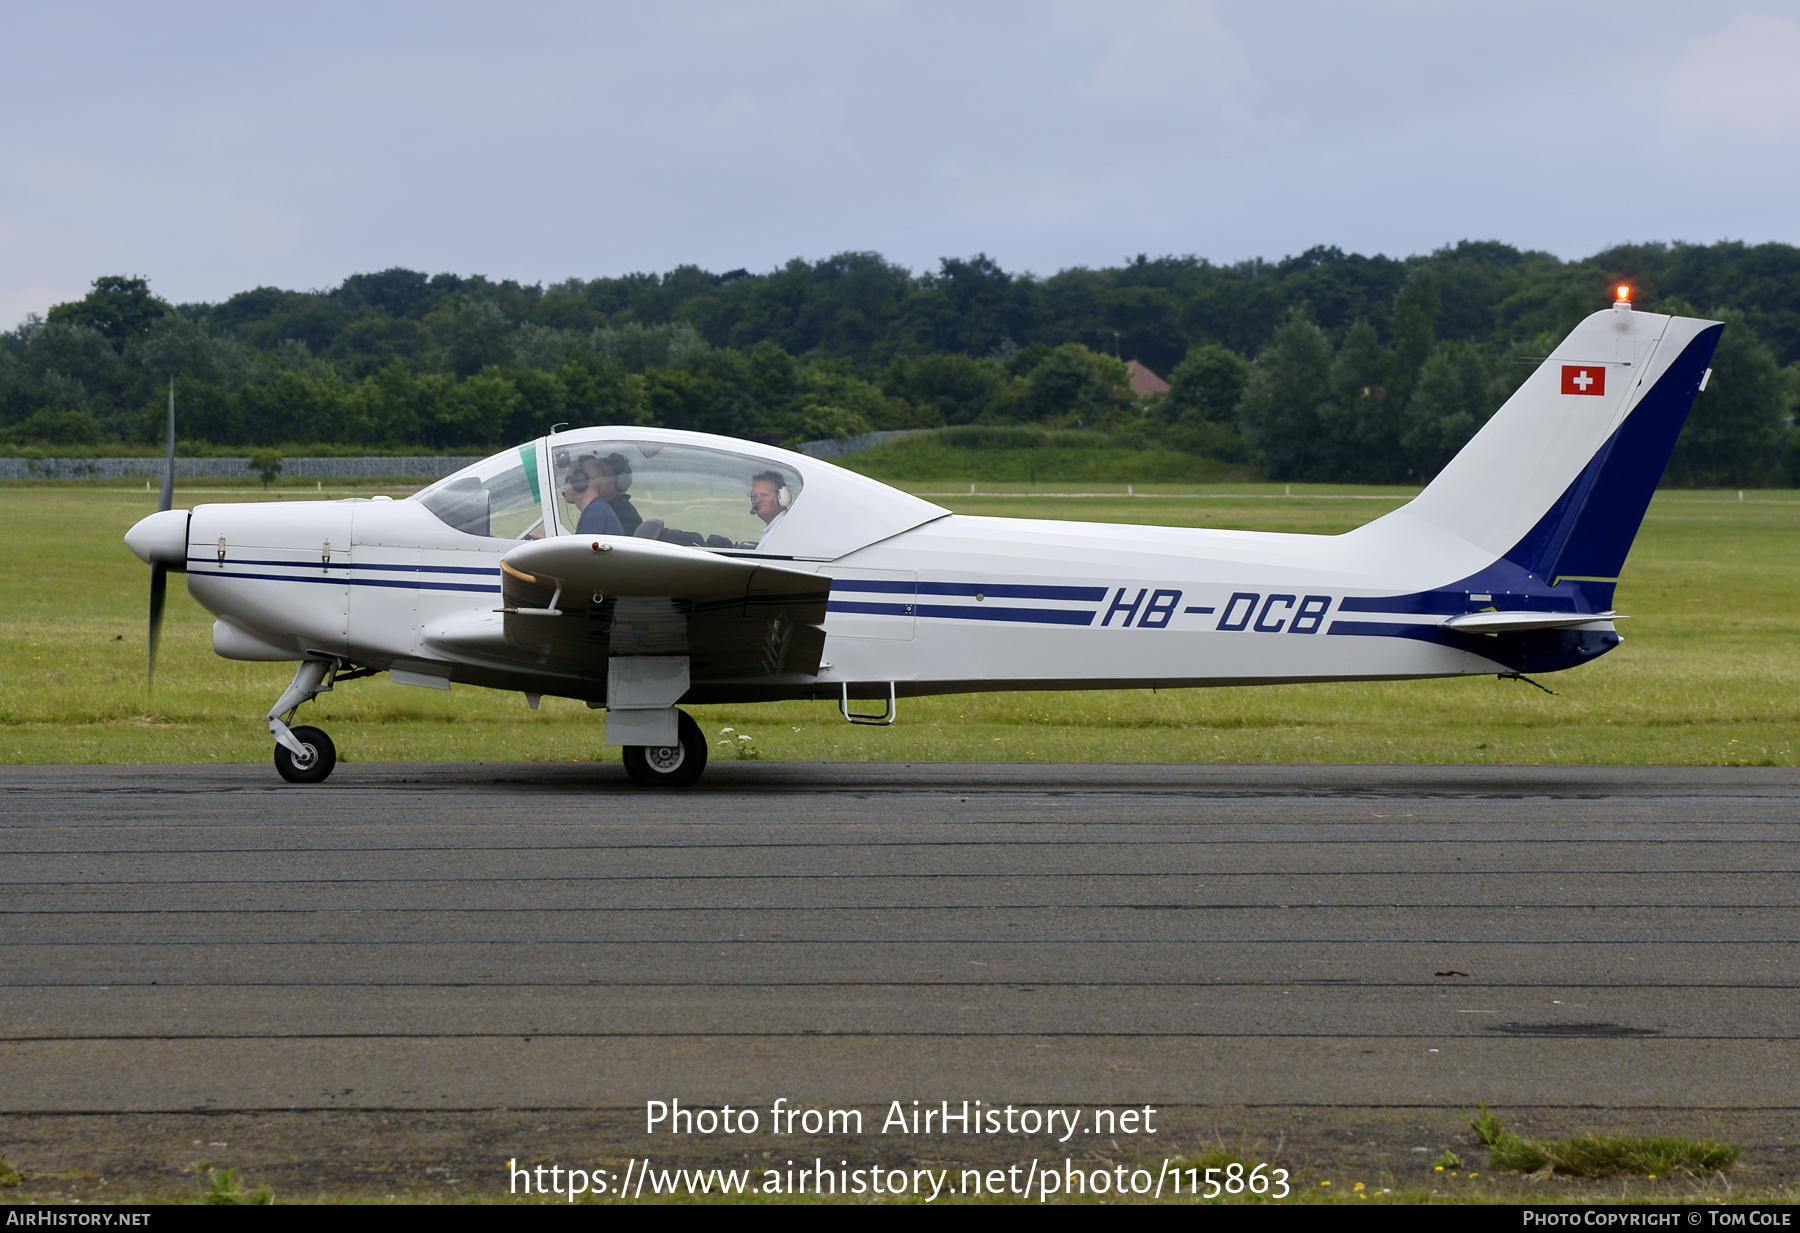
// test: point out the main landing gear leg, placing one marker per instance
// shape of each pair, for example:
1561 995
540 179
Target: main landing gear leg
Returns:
303 755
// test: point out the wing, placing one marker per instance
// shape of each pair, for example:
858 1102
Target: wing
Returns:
574 601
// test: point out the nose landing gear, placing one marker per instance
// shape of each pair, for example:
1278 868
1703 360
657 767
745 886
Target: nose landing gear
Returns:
303 755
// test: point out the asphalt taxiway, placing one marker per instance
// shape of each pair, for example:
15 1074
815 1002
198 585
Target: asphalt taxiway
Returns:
545 937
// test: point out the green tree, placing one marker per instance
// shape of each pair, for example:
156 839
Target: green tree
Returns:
1451 400
971 306
64 366
595 392
295 407
1073 385
118 308
1208 384
1361 423
1279 413
539 346
176 346
1200 411
267 316
947 388
394 292
1736 433
775 380
711 393
1415 311
204 411
474 334
476 411
48 427
267 464
834 384
384 409
371 342
635 347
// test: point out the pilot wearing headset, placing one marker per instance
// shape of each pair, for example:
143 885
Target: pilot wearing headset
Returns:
613 479
582 490
769 500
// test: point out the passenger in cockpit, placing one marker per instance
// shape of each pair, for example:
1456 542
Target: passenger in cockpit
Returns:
582 490
614 481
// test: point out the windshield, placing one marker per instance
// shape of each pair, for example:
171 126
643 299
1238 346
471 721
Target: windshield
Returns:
676 493
497 498
685 488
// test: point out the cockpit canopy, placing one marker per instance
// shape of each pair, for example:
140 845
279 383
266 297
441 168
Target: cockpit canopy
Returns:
682 488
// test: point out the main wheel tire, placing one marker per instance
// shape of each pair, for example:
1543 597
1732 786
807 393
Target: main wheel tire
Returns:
322 757
669 766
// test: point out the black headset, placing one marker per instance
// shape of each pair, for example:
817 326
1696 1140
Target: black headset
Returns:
578 480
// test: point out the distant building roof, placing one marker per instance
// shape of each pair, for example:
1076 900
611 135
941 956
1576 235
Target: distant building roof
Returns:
1143 381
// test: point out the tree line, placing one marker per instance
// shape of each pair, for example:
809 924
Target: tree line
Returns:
1325 366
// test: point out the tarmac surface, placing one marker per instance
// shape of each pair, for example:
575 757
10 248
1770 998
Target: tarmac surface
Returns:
466 954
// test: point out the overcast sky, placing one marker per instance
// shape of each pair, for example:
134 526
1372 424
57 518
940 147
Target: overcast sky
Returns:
216 147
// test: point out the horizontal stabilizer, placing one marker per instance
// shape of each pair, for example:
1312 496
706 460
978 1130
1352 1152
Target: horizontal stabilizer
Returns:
1520 622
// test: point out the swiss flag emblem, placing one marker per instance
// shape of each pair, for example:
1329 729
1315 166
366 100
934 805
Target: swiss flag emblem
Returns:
1584 379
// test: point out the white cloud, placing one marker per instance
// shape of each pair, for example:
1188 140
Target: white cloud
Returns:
1169 53
1739 85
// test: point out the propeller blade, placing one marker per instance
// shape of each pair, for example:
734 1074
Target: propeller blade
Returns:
159 586
168 488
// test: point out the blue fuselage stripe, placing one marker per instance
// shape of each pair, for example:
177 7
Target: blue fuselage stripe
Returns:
411 569
341 580
957 612
838 605
1005 590
1385 629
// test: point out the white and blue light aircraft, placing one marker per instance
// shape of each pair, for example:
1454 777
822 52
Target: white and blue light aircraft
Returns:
725 571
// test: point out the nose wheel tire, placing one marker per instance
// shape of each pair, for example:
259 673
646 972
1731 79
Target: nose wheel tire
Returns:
669 766
321 757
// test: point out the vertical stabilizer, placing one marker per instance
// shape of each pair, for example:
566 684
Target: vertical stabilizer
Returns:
1554 486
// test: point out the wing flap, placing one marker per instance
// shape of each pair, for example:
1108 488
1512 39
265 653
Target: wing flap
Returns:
736 619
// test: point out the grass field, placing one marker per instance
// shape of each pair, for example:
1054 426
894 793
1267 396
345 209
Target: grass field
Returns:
1709 673
1027 455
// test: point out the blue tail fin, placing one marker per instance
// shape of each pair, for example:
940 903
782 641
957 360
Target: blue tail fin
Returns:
1538 511
1585 535
1553 488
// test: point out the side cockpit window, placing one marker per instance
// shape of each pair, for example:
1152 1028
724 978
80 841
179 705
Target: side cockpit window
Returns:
679 494
498 498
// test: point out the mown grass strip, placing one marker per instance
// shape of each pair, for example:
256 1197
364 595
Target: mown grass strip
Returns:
1600 1155
1707 675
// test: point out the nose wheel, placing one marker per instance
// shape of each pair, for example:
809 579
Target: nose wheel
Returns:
315 761
669 766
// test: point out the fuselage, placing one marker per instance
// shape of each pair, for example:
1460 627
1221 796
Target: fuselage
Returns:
954 603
